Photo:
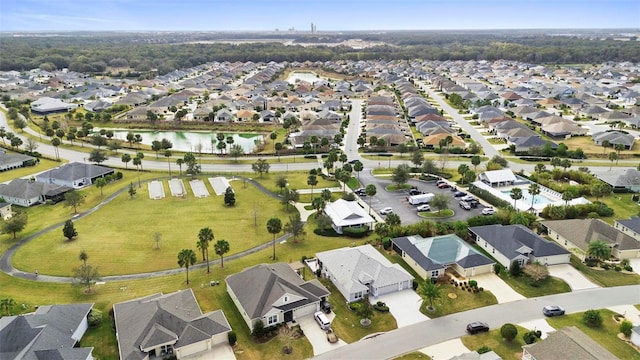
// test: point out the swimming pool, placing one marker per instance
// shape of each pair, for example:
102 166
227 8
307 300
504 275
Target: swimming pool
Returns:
526 197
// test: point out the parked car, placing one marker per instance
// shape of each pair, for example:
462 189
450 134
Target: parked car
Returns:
440 181
443 185
459 194
360 191
331 336
385 211
322 320
326 307
465 205
415 192
476 327
469 198
424 207
488 211
552 310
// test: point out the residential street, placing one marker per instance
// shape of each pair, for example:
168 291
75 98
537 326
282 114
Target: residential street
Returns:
434 331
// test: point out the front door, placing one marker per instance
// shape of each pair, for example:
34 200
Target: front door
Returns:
288 316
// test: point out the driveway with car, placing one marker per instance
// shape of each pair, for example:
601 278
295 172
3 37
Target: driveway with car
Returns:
404 306
571 276
503 292
318 337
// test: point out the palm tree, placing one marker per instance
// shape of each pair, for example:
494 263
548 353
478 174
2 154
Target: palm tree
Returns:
274 226
599 250
204 237
167 154
612 156
179 162
83 257
7 303
516 194
534 189
221 247
186 258
567 196
430 291
312 181
56 142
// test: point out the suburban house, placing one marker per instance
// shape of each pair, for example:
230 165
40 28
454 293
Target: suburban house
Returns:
630 227
274 294
509 243
566 343
361 271
13 161
629 180
576 234
47 105
173 324
614 137
432 257
25 193
51 332
74 175
495 178
346 214
5 210
635 335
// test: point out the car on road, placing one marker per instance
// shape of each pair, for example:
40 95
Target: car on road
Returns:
552 310
443 185
424 207
488 211
476 327
459 194
465 205
386 211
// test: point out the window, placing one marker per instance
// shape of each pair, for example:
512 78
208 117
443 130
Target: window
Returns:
286 299
565 242
272 320
358 295
434 274
493 251
557 237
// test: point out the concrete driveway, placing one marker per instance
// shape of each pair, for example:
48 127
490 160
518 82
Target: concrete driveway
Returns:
445 350
404 306
318 337
571 276
635 264
503 292
538 324
218 352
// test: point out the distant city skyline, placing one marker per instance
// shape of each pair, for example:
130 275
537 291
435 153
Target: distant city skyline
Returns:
326 15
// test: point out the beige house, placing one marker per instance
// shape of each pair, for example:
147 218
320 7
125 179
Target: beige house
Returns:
576 234
630 227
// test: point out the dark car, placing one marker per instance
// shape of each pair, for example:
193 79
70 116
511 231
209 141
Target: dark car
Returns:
552 310
459 194
415 192
360 191
326 307
476 327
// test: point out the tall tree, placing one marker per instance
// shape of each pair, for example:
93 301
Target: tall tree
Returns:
100 183
69 230
463 168
371 191
179 162
16 223
167 154
221 247
156 146
605 145
97 156
312 181
229 197
440 201
430 291
295 226
534 190
74 199
236 151
55 142
475 161
125 159
281 182
358 167
516 194
261 166
205 236
83 256
401 174
274 226
86 275
186 258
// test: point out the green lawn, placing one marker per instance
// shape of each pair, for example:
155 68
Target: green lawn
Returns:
521 284
622 205
414 356
460 300
43 165
605 277
435 214
606 335
296 180
492 339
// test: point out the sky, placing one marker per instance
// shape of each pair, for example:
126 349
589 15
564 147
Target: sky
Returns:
327 15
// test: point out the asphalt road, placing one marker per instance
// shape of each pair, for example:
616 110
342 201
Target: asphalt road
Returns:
434 331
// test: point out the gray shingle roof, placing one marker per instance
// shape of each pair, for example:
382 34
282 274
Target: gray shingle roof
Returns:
26 189
582 231
76 171
633 223
510 239
568 343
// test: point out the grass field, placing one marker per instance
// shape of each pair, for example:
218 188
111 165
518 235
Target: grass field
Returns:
605 277
507 350
548 286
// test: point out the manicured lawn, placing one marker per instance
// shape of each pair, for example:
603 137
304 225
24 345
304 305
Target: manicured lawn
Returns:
622 205
606 335
119 240
605 277
414 356
43 165
492 339
463 300
296 180
550 285
102 338
347 323
435 214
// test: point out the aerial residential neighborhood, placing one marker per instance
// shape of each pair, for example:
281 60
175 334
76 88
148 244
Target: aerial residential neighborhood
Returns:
296 194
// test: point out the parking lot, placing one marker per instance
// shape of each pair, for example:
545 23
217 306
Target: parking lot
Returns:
407 212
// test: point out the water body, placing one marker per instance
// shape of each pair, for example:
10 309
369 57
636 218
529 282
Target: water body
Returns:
193 141
307 76
526 197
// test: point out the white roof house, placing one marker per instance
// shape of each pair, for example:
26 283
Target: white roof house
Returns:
361 271
498 177
347 214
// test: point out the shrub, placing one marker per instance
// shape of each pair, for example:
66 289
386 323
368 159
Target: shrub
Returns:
617 268
590 262
119 175
386 243
484 349
355 232
355 306
473 283
508 331
605 266
628 268
488 197
593 215
304 257
497 268
380 306
592 318
258 328
232 337
625 327
348 196
529 337
515 269
95 318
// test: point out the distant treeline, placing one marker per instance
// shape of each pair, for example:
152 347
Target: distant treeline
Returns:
141 52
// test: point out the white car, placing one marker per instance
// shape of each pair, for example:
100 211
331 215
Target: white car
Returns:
385 211
424 207
488 211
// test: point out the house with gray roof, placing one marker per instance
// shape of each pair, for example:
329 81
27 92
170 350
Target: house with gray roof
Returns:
628 180
25 193
47 105
14 161
162 325
274 294
630 227
528 143
509 243
576 234
432 257
614 137
51 332
361 271
74 175
566 343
